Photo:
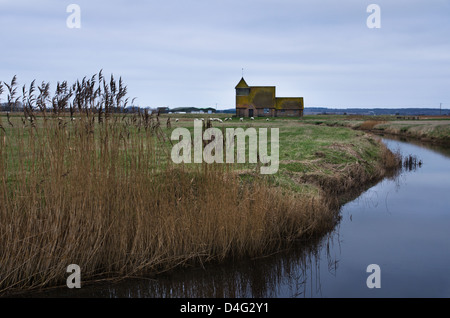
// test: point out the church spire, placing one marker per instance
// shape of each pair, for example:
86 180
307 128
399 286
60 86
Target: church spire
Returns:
242 84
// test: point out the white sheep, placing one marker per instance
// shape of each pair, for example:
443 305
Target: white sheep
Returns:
241 119
176 120
252 118
267 119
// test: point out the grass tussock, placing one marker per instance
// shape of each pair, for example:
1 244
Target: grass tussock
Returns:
346 178
370 124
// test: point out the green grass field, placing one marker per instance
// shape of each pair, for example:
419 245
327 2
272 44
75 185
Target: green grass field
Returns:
307 149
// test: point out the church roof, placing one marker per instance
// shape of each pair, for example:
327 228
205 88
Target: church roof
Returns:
242 84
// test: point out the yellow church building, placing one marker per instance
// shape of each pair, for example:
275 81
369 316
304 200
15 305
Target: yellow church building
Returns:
260 101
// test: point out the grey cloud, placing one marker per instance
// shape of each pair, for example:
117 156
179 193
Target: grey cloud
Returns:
321 50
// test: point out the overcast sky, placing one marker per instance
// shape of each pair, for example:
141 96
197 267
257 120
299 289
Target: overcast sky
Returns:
191 52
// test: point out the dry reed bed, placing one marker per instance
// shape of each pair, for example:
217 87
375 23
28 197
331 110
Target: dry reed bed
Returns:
73 196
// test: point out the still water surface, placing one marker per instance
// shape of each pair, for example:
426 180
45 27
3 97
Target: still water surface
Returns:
401 224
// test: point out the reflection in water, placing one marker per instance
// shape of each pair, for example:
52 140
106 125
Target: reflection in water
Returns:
428 146
289 272
250 278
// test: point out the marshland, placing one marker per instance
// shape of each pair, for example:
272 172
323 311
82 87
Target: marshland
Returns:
400 223
84 183
431 129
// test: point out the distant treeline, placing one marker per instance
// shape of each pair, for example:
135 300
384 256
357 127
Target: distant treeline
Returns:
365 111
18 107
376 111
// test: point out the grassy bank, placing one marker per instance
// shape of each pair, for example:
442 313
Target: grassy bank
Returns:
432 129
436 131
332 158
